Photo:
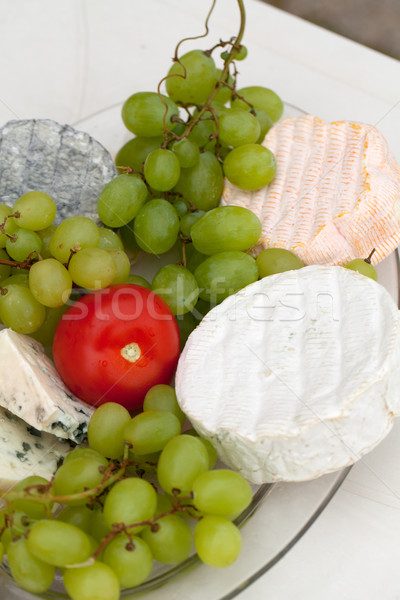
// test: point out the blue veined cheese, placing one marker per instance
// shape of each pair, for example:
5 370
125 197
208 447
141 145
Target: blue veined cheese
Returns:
32 389
296 375
25 451
70 165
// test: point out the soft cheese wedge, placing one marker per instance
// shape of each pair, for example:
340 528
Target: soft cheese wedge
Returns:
335 196
296 375
32 390
25 451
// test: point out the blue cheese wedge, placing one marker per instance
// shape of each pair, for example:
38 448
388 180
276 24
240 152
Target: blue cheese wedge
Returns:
296 375
25 451
70 165
32 390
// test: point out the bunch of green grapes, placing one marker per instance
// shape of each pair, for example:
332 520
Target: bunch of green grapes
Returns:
43 266
114 523
186 141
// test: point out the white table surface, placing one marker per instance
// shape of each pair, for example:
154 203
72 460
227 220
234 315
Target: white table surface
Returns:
66 60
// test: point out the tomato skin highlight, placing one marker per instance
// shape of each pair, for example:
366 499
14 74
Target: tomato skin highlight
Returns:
92 333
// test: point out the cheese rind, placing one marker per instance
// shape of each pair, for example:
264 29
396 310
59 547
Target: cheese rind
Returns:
335 196
32 390
25 451
296 375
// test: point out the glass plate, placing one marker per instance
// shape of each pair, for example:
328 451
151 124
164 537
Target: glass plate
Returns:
279 514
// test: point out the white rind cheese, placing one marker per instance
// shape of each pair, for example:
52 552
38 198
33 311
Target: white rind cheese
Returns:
25 451
296 375
32 389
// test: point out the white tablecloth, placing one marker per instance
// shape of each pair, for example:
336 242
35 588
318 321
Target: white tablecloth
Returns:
68 59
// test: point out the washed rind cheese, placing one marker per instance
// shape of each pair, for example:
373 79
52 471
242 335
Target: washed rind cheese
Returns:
296 375
67 164
32 390
335 196
25 451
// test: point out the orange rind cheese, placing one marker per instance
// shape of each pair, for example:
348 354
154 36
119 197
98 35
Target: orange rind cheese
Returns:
335 196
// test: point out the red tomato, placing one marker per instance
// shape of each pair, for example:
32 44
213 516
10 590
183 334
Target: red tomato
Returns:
113 345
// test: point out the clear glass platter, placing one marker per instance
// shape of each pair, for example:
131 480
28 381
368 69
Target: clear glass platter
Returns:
280 513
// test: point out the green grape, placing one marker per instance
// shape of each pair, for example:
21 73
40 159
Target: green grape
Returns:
194 258
156 226
21 278
75 233
265 124
134 153
224 274
170 539
363 267
201 132
50 282
84 452
186 323
122 264
5 270
23 243
19 310
212 453
226 228
188 220
76 476
217 540
241 53
45 333
132 563
9 224
106 427
180 462
29 572
250 167
192 79
98 526
145 113
178 287
130 501
109 239
92 268
260 97
238 127
150 431
224 93
20 523
79 516
187 152
32 509
45 236
221 492
58 544
37 210
121 199
202 184
138 280
181 207
277 260
162 169
97 582
163 397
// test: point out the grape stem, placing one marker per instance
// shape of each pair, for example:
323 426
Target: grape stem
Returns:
24 264
368 259
119 528
3 225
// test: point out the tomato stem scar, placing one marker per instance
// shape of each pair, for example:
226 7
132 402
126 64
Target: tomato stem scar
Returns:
131 352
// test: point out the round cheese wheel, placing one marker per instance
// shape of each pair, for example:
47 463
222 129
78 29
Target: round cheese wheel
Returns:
296 375
335 196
